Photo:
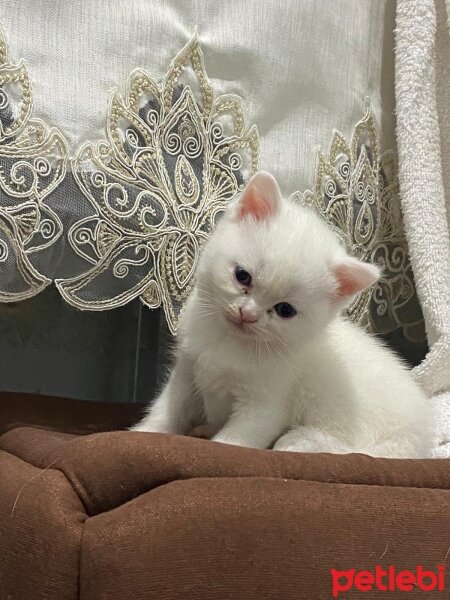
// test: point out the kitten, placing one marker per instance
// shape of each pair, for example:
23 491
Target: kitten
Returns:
263 354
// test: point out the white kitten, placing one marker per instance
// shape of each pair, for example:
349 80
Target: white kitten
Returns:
263 354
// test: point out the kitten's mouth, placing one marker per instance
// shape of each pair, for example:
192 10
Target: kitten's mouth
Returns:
239 325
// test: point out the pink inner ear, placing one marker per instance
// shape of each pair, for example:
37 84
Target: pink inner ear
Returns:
354 276
347 286
253 205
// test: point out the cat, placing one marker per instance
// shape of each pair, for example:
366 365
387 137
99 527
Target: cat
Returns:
264 356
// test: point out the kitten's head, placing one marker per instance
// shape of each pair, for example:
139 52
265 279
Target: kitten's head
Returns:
273 271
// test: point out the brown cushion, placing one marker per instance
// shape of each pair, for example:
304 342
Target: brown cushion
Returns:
130 515
41 524
109 469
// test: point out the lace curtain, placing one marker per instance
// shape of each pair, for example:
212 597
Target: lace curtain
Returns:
174 156
121 145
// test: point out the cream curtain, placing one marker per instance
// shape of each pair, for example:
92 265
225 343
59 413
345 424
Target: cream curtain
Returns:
148 125
127 127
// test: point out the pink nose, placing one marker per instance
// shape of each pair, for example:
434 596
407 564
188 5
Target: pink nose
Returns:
247 316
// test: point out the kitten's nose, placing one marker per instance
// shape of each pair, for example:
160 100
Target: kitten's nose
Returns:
247 316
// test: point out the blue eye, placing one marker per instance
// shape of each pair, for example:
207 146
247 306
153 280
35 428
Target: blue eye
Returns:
285 310
242 276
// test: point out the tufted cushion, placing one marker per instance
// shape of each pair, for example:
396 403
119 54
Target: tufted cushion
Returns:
122 514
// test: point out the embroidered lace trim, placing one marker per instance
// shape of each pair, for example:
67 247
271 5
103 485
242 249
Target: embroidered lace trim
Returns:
173 157
32 163
356 191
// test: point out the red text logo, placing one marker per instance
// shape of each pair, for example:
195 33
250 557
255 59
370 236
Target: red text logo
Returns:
388 579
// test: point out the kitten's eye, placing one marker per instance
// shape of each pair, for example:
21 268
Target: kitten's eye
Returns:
243 276
285 310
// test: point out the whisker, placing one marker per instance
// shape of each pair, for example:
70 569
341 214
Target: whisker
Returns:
291 365
207 313
207 305
205 291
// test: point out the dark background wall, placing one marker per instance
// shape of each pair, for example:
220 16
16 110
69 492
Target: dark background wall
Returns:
48 347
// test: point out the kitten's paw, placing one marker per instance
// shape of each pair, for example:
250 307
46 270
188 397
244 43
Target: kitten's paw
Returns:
150 426
441 451
228 439
307 439
205 432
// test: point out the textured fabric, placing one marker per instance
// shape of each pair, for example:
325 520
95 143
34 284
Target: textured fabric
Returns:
119 515
263 52
110 469
41 521
259 539
422 94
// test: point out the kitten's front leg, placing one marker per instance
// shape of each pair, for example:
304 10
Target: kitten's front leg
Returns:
255 422
178 407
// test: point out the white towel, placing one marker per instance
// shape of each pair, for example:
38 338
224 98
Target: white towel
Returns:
422 97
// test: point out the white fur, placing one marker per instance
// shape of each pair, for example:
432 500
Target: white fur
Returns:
314 382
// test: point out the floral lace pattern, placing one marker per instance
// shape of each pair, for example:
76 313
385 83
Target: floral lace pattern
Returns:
32 164
173 159
356 191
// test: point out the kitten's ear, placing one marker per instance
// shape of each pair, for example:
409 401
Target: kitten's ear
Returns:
354 276
261 198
